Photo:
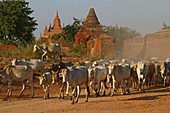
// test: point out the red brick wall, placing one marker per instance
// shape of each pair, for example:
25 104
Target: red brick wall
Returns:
155 45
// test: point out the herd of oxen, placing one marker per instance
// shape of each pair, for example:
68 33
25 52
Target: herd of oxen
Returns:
96 76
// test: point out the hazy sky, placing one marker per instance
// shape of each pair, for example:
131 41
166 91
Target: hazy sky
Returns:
145 16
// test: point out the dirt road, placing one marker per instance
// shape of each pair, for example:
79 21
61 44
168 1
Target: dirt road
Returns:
156 99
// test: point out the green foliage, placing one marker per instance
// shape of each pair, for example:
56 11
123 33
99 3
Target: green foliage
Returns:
16 24
165 26
69 31
79 51
9 53
120 34
21 51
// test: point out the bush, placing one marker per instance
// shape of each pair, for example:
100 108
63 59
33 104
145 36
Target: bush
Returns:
79 51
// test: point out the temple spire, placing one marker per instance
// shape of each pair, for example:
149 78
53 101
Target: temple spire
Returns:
50 27
56 22
45 28
91 18
57 13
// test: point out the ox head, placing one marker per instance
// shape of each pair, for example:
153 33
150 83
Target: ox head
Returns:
141 67
36 48
91 73
64 73
14 61
112 68
163 70
56 77
42 79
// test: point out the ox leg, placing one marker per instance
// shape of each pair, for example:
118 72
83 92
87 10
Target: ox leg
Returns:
122 87
23 88
73 94
32 88
127 85
9 89
110 88
44 54
78 94
67 92
48 87
61 90
164 81
97 90
150 81
139 85
87 93
143 85
112 93
45 92
104 88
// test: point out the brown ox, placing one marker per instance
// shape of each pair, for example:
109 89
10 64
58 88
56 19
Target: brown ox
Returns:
151 72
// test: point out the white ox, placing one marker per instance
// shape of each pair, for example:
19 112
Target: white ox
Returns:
97 75
19 74
87 64
36 64
165 72
48 48
76 77
119 74
45 81
142 72
98 63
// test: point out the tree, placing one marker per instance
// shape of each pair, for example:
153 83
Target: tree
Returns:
120 34
165 26
69 31
16 24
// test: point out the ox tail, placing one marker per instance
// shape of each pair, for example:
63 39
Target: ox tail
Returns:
88 83
88 90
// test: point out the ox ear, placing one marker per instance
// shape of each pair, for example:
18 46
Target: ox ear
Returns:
44 77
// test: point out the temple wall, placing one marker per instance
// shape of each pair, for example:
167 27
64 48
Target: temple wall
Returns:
152 45
107 48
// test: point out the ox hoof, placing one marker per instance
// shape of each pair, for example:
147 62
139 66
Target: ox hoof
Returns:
59 97
70 98
86 100
76 101
104 93
62 98
72 102
144 91
95 96
32 97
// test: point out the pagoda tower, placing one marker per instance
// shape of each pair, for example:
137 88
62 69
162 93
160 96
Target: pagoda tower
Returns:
55 29
91 34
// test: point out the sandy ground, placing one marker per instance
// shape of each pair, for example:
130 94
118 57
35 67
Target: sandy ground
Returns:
155 99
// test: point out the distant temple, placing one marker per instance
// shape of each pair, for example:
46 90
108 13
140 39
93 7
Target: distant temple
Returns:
91 34
55 29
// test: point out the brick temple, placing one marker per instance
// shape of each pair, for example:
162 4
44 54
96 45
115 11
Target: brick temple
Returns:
91 34
55 29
